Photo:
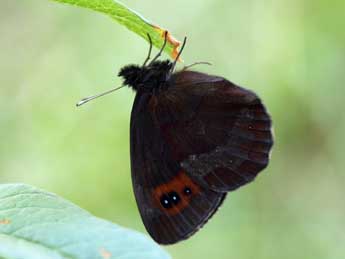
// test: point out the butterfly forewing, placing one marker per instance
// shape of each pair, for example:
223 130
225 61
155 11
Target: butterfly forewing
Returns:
158 178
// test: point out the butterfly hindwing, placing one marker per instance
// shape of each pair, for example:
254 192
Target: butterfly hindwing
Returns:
219 132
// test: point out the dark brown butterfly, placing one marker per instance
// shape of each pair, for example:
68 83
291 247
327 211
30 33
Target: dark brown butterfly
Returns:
194 137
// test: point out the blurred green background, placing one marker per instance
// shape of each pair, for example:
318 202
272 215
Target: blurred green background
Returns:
292 53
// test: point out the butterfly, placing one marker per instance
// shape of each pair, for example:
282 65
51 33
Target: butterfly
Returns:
194 137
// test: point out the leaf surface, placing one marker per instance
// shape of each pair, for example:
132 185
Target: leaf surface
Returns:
132 20
35 224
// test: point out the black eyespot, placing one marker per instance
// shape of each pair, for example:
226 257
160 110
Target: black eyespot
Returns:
174 197
166 201
187 191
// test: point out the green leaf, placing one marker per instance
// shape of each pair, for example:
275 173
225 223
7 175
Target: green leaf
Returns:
132 20
39 225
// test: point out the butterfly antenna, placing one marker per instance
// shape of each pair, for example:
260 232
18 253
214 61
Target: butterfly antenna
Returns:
161 50
179 54
87 99
197 63
150 49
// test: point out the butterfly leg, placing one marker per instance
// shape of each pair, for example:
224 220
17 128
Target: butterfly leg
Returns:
150 49
179 54
161 50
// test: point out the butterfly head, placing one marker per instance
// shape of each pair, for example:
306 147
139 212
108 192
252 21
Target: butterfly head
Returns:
147 78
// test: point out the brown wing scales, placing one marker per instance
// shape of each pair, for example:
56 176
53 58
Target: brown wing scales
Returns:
195 141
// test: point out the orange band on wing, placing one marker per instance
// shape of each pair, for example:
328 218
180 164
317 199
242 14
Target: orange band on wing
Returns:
174 196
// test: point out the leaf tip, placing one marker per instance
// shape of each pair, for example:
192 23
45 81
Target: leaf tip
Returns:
172 41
